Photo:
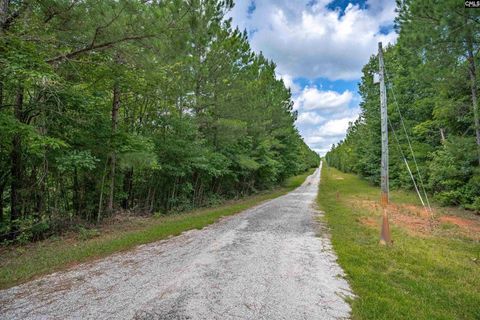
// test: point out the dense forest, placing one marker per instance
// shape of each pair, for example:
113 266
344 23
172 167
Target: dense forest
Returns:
432 85
138 106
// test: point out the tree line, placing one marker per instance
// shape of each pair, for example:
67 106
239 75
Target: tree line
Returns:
432 84
143 106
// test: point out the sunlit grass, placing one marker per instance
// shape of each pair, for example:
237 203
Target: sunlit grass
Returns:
418 277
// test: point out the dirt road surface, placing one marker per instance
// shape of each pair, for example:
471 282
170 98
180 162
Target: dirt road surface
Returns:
273 261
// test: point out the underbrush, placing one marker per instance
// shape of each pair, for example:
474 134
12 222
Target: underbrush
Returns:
20 263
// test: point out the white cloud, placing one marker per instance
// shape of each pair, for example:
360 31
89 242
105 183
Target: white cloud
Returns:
324 116
309 118
314 139
311 98
321 151
334 128
308 40
289 83
312 41
330 132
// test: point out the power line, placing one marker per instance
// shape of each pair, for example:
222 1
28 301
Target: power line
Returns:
409 142
406 164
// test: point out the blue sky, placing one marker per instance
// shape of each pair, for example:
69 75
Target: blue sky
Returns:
320 47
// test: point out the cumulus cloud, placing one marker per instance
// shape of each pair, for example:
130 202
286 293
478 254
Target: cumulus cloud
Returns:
312 98
312 41
332 131
321 129
314 139
309 118
334 128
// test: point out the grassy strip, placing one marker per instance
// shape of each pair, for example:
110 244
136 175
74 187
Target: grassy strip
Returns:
43 258
419 277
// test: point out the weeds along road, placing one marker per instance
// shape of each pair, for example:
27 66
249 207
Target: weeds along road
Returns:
264 263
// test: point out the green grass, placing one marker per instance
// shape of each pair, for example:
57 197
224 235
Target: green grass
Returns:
24 263
419 277
296 181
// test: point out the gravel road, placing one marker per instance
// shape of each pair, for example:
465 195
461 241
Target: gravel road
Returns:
269 262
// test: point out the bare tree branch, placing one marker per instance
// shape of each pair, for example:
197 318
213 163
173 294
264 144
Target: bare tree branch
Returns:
101 46
55 13
109 44
100 28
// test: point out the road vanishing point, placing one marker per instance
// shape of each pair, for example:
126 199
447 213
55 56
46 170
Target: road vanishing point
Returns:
273 261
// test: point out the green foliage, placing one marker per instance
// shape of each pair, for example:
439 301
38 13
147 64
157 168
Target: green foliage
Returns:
427 70
76 160
18 266
87 233
31 229
156 106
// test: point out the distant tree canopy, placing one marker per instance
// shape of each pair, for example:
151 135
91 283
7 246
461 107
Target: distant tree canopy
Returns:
147 106
432 73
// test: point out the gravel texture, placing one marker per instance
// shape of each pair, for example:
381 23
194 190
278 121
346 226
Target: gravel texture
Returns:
269 262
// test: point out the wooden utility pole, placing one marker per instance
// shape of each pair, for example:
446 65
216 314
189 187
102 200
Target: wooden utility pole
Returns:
113 157
385 236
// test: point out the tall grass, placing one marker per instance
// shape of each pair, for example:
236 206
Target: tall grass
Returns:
419 277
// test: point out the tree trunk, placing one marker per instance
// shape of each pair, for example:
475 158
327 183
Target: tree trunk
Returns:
127 188
113 162
2 189
40 200
147 200
35 192
76 193
473 87
152 202
3 12
174 190
1 94
2 185
442 135
16 167
100 201
45 192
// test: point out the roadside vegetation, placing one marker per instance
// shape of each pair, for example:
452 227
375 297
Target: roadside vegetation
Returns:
430 272
432 74
143 107
20 263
